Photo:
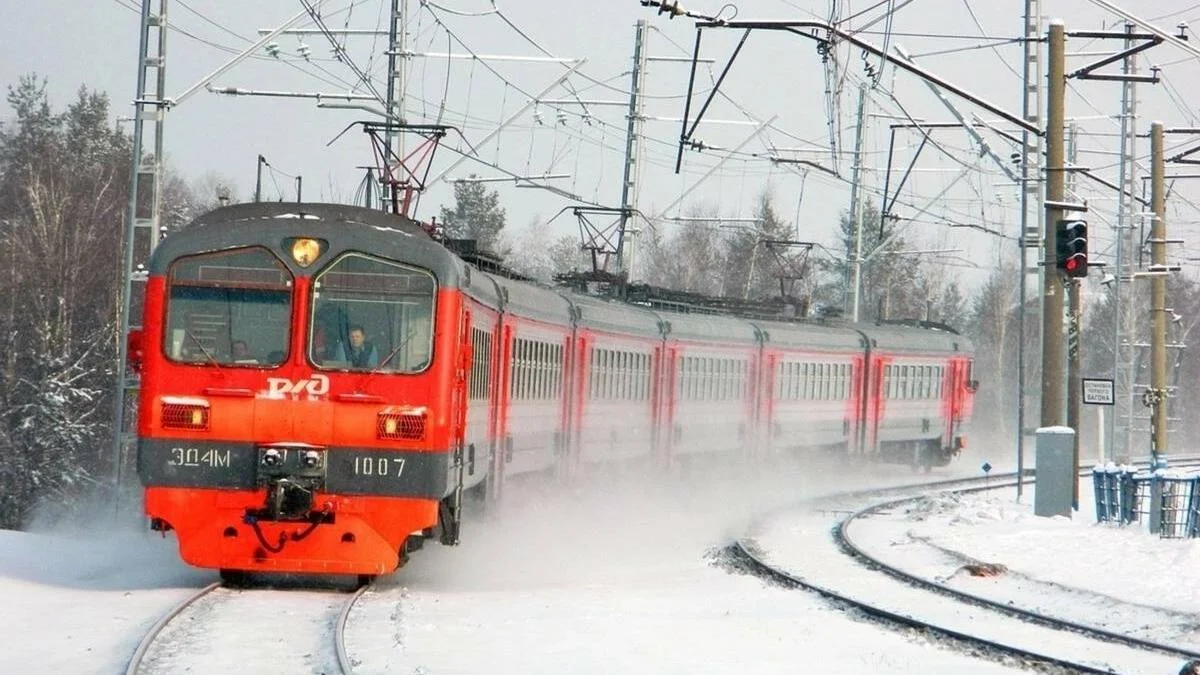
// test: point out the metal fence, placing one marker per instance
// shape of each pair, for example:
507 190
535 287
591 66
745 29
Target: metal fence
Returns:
1165 502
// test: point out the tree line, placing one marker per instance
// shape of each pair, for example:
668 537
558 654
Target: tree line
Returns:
64 177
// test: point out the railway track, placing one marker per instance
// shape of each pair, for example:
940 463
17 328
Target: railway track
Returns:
225 629
885 593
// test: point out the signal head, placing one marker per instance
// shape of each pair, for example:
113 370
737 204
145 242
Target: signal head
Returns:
1071 248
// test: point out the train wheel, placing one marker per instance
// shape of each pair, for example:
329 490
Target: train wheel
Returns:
925 453
921 458
235 578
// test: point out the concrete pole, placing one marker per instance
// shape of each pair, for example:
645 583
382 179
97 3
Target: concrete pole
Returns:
1053 358
1074 322
856 207
258 179
1158 293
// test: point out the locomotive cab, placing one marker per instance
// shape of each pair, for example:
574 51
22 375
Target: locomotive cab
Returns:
291 418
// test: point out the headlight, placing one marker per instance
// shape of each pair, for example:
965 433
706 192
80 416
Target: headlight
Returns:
305 251
185 415
406 426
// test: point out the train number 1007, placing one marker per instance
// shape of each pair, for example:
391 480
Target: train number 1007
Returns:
378 466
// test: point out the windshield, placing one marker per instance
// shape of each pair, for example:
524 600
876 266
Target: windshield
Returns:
228 308
372 314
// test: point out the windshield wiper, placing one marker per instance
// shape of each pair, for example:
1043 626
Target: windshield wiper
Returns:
211 359
411 333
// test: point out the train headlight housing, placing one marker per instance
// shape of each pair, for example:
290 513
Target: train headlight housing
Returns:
193 415
305 250
402 425
271 457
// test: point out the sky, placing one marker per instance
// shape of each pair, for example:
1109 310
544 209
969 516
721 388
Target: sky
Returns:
577 131
601 579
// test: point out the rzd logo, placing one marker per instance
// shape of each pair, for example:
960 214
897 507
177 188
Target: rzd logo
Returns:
315 385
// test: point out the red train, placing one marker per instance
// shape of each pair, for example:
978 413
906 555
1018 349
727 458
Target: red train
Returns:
321 384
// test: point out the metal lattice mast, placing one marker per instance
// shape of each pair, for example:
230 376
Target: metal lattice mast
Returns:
1124 325
143 217
633 146
1032 214
397 62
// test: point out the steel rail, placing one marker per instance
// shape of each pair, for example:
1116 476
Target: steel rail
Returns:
339 631
750 554
848 546
135 662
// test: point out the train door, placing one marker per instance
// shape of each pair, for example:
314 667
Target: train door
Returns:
670 395
562 440
856 405
765 388
874 403
657 438
956 396
503 444
460 398
480 423
743 372
579 383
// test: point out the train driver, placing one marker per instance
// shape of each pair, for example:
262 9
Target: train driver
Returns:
361 354
240 351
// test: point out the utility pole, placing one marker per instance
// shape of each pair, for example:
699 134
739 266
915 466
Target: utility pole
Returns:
143 216
633 133
1156 397
1074 319
1031 190
1053 357
258 178
856 204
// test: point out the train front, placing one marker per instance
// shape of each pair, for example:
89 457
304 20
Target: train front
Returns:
297 399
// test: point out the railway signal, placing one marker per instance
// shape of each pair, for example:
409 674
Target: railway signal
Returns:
1071 244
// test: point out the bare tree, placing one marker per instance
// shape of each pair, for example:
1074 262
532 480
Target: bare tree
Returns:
63 194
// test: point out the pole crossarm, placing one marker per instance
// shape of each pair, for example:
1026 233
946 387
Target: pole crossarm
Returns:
1179 40
245 54
1088 72
805 162
1108 184
1184 157
890 200
825 35
604 242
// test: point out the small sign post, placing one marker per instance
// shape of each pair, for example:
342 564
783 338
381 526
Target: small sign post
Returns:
1098 391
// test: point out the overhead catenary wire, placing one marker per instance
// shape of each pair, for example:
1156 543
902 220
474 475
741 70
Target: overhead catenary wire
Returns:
594 139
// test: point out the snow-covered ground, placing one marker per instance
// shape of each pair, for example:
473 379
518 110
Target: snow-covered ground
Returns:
596 580
1118 578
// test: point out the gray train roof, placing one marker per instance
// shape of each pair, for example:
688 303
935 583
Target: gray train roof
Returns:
530 300
615 316
708 327
801 335
344 227
899 338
